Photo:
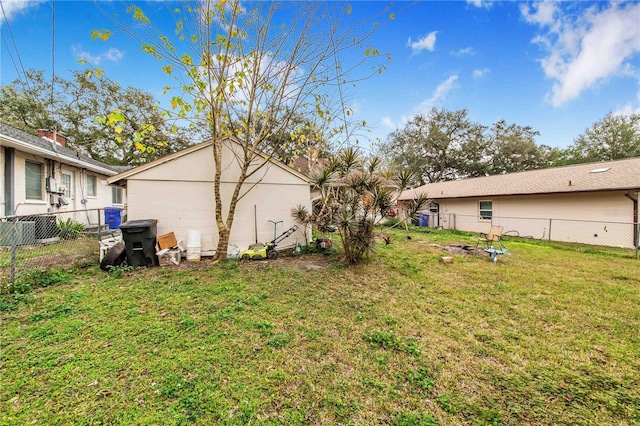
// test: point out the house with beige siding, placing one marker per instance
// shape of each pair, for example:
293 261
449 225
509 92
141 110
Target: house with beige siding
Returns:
178 191
41 175
594 203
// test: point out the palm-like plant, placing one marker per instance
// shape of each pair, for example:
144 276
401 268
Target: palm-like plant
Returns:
355 196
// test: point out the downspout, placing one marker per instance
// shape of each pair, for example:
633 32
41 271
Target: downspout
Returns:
9 181
634 198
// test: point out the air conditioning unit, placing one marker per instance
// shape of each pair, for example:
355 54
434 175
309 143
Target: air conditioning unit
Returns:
21 233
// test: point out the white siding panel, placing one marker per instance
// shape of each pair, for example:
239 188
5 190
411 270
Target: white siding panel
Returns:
198 166
181 206
2 183
602 218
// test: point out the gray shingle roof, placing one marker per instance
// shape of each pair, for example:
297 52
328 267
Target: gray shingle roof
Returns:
52 148
601 176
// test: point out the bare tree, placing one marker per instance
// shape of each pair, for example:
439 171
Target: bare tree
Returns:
244 74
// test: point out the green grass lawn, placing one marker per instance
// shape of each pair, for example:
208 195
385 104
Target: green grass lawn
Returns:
549 335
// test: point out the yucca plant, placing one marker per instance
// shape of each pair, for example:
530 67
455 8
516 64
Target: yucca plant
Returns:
69 229
355 196
302 217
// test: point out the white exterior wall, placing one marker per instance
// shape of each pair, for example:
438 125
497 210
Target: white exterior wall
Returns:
602 218
2 183
102 199
180 195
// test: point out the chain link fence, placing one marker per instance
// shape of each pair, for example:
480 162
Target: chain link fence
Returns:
601 233
42 241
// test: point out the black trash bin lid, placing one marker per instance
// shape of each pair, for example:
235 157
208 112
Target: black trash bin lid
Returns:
141 223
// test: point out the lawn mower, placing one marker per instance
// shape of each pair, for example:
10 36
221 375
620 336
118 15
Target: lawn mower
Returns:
266 250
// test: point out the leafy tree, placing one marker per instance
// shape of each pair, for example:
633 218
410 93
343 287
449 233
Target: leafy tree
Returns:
615 137
243 74
301 145
445 145
513 149
74 108
27 104
432 145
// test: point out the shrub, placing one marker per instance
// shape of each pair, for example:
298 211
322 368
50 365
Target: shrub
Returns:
69 229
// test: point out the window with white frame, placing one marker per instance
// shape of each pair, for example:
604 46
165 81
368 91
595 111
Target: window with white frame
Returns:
92 186
485 209
33 180
116 195
66 181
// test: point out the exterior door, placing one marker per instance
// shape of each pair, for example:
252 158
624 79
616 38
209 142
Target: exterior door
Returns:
434 214
68 180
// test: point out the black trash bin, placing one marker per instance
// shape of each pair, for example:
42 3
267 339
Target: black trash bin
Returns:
140 242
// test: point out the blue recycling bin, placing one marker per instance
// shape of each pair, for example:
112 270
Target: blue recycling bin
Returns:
113 217
424 220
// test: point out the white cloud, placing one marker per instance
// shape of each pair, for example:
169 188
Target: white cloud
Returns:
585 50
427 42
542 15
479 73
628 109
439 94
388 122
113 55
480 3
12 8
463 52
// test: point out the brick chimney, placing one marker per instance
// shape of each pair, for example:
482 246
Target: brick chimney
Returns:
49 134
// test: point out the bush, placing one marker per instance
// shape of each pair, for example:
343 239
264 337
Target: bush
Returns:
25 283
69 229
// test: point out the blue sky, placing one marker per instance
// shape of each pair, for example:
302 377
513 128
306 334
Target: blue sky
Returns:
555 66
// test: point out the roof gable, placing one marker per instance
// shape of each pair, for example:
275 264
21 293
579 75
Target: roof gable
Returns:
193 150
601 176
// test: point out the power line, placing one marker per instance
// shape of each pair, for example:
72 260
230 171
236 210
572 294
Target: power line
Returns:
13 40
53 65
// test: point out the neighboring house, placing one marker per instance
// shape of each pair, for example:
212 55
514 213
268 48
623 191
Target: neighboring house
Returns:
178 191
40 175
595 203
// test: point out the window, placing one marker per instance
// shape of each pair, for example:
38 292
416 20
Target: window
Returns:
92 187
486 209
66 181
116 195
33 180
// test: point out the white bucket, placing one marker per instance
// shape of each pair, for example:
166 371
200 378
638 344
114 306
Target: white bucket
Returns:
233 251
193 246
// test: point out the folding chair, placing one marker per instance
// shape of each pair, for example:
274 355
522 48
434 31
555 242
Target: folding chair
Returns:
493 237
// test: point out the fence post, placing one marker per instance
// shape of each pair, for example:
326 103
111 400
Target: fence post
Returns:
637 239
14 247
99 227
550 220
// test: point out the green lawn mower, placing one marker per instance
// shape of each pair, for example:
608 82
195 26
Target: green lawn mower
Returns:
266 250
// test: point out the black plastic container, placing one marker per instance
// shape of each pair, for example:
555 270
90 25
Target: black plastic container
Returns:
140 242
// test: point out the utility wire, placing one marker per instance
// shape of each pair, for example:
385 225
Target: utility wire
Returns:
53 66
15 66
13 41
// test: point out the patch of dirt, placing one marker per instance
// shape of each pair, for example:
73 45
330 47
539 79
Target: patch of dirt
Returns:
52 260
456 248
305 262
